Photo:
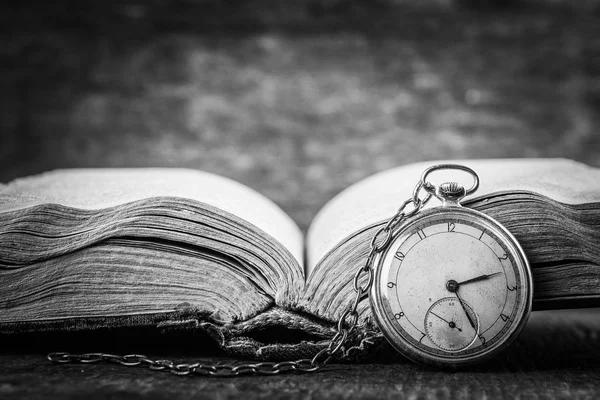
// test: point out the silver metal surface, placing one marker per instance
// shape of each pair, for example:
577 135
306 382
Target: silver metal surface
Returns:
428 285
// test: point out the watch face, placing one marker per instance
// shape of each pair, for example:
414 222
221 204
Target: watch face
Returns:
452 288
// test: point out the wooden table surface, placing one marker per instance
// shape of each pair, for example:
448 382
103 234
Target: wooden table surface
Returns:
299 100
556 357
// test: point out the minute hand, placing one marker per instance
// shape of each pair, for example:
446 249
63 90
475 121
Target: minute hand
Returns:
466 312
477 278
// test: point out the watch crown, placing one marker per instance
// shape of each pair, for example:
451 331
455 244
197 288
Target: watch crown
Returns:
451 192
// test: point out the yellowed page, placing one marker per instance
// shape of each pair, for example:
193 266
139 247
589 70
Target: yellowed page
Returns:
101 188
377 198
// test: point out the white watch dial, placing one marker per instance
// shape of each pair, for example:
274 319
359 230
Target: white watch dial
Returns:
452 286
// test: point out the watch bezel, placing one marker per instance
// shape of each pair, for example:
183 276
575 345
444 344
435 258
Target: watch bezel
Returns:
391 333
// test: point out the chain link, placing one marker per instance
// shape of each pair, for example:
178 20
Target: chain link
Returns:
345 326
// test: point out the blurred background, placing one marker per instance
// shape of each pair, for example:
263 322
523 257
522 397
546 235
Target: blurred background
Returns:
297 99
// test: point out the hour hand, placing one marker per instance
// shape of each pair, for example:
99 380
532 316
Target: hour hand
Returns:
478 278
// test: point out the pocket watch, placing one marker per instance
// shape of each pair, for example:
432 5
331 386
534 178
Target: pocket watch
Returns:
452 287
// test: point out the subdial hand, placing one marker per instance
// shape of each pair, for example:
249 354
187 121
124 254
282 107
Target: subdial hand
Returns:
466 312
451 324
478 278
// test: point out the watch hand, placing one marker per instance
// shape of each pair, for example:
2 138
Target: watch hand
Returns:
451 324
465 310
478 278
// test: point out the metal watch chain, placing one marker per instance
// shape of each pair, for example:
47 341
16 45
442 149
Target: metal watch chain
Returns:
336 345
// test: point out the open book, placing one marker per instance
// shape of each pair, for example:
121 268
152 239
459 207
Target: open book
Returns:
90 248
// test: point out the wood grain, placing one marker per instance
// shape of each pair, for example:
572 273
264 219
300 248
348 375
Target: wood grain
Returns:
557 357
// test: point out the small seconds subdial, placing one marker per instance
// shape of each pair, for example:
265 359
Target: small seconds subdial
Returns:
449 327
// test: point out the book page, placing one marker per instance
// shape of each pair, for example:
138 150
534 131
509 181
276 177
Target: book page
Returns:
103 188
378 197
